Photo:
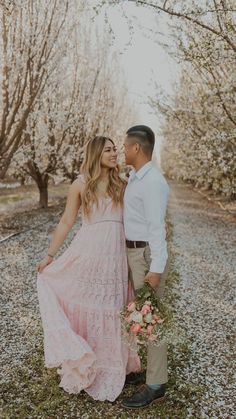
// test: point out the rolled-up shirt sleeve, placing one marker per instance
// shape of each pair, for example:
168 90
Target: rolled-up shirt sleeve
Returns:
155 198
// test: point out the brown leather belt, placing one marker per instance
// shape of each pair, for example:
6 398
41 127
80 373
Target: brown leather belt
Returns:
135 244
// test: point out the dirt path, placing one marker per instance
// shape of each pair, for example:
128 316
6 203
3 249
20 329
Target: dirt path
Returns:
204 239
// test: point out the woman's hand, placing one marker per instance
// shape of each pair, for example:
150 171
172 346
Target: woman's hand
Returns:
44 262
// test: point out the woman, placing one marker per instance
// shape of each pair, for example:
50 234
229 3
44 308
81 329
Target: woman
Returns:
82 292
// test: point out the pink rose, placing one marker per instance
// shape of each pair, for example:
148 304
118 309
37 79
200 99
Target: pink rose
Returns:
135 328
149 329
131 306
145 309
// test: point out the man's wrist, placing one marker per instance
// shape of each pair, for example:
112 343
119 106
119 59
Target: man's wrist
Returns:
50 255
155 273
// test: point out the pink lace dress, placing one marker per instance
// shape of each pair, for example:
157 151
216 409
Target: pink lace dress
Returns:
80 296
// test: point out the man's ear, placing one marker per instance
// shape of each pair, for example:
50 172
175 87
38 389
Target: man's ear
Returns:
137 147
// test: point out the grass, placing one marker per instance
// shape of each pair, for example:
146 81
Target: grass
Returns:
31 193
9 199
33 391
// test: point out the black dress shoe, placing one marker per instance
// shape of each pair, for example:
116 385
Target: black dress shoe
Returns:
144 397
135 378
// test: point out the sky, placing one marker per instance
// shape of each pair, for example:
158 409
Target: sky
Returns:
142 59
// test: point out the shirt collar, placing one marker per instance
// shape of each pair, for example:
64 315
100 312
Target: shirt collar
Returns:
141 172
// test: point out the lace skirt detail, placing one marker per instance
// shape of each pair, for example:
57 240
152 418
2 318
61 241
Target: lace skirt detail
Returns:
80 296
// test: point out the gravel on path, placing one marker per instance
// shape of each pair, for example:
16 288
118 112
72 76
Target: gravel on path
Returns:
203 245
200 368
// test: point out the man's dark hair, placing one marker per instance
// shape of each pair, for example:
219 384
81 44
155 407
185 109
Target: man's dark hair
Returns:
145 137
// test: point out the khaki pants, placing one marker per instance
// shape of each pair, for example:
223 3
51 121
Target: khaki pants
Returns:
139 263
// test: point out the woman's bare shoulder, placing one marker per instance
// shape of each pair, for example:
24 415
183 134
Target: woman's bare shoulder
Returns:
81 178
78 184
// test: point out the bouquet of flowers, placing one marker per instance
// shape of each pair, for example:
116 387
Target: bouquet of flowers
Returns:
144 319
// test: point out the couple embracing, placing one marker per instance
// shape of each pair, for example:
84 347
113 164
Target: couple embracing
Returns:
82 291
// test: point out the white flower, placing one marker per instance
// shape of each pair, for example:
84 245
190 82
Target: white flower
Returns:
136 317
148 318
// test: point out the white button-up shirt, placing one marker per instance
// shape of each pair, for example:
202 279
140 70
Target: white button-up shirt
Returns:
145 203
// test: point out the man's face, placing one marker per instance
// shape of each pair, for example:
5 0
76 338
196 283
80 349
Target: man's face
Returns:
130 150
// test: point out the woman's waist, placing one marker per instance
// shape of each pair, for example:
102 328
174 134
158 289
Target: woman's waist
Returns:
86 223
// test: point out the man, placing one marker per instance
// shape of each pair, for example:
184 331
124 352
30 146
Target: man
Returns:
145 204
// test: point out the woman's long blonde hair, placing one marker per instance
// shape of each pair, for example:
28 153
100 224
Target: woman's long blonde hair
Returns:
91 169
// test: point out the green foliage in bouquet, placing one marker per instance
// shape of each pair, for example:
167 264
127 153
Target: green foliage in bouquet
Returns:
148 293
145 319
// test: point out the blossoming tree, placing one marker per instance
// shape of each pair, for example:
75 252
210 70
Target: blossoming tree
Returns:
84 97
30 36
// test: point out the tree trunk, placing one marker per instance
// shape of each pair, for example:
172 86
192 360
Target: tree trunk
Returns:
22 180
43 191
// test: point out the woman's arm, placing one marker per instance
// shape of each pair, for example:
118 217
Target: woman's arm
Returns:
65 224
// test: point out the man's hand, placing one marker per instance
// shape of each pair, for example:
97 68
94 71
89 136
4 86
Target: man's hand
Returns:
153 279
